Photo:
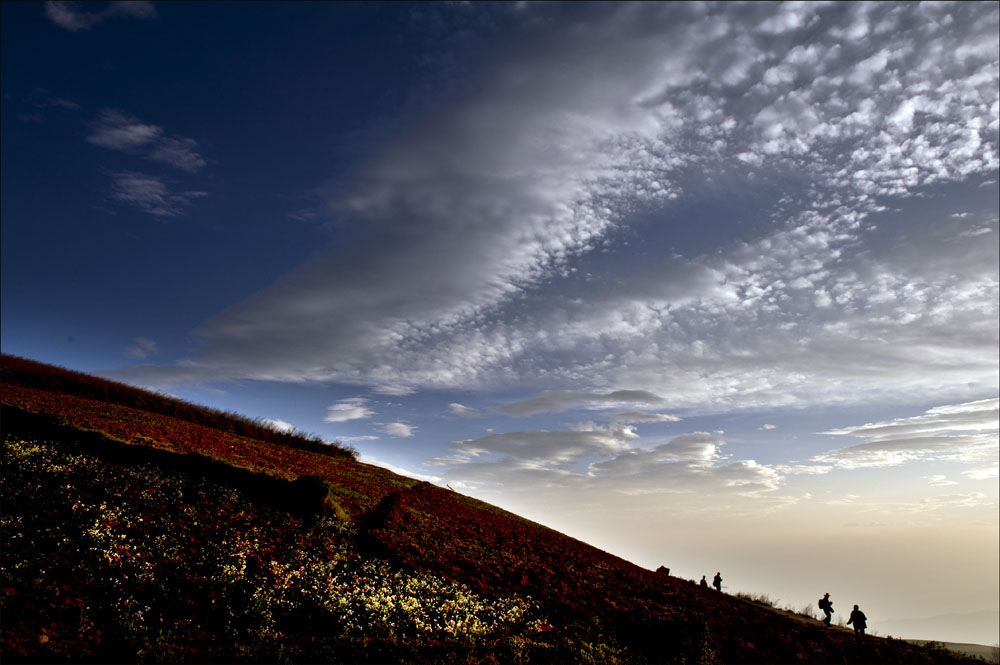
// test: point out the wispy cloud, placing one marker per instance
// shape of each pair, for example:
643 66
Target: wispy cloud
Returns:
119 131
607 466
72 17
399 430
278 425
457 409
178 153
354 408
150 194
939 480
141 347
553 401
968 432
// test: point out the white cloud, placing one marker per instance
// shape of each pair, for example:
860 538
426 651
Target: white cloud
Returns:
150 194
940 481
278 425
463 411
353 408
141 347
768 427
600 465
119 131
399 430
634 417
844 500
553 401
69 15
983 472
179 153
968 432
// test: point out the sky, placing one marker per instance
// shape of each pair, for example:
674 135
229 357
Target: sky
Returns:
709 286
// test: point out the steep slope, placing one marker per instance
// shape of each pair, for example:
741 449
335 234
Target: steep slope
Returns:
575 601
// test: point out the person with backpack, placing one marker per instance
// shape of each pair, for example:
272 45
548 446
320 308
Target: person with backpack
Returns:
826 605
717 582
860 622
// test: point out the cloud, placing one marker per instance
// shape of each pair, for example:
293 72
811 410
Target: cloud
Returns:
115 130
553 401
463 411
399 430
946 503
278 425
352 408
68 15
634 416
494 224
983 472
179 153
940 481
41 99
141 347
150 194
965 432
768 427
593 464
349 439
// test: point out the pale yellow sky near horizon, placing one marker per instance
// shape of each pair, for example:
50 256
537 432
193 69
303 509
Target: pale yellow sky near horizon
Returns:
887 548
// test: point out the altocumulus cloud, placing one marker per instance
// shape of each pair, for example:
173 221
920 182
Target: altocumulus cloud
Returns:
515 178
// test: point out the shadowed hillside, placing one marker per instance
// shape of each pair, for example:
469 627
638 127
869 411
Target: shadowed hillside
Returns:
138 528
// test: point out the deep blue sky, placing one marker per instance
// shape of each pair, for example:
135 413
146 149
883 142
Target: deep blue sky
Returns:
649 273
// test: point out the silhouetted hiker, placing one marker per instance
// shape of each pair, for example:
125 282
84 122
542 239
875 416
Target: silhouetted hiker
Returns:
703 582
717 582
827 606
859 620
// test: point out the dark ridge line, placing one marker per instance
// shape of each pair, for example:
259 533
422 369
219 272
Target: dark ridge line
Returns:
306 496
52 378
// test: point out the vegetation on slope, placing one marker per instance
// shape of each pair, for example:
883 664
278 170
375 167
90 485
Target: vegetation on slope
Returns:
107 561
131 535
31 374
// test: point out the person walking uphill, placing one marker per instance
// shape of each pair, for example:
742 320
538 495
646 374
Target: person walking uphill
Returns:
860 622
826 605
717 582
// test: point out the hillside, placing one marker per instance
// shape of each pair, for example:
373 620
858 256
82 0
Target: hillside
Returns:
137 528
